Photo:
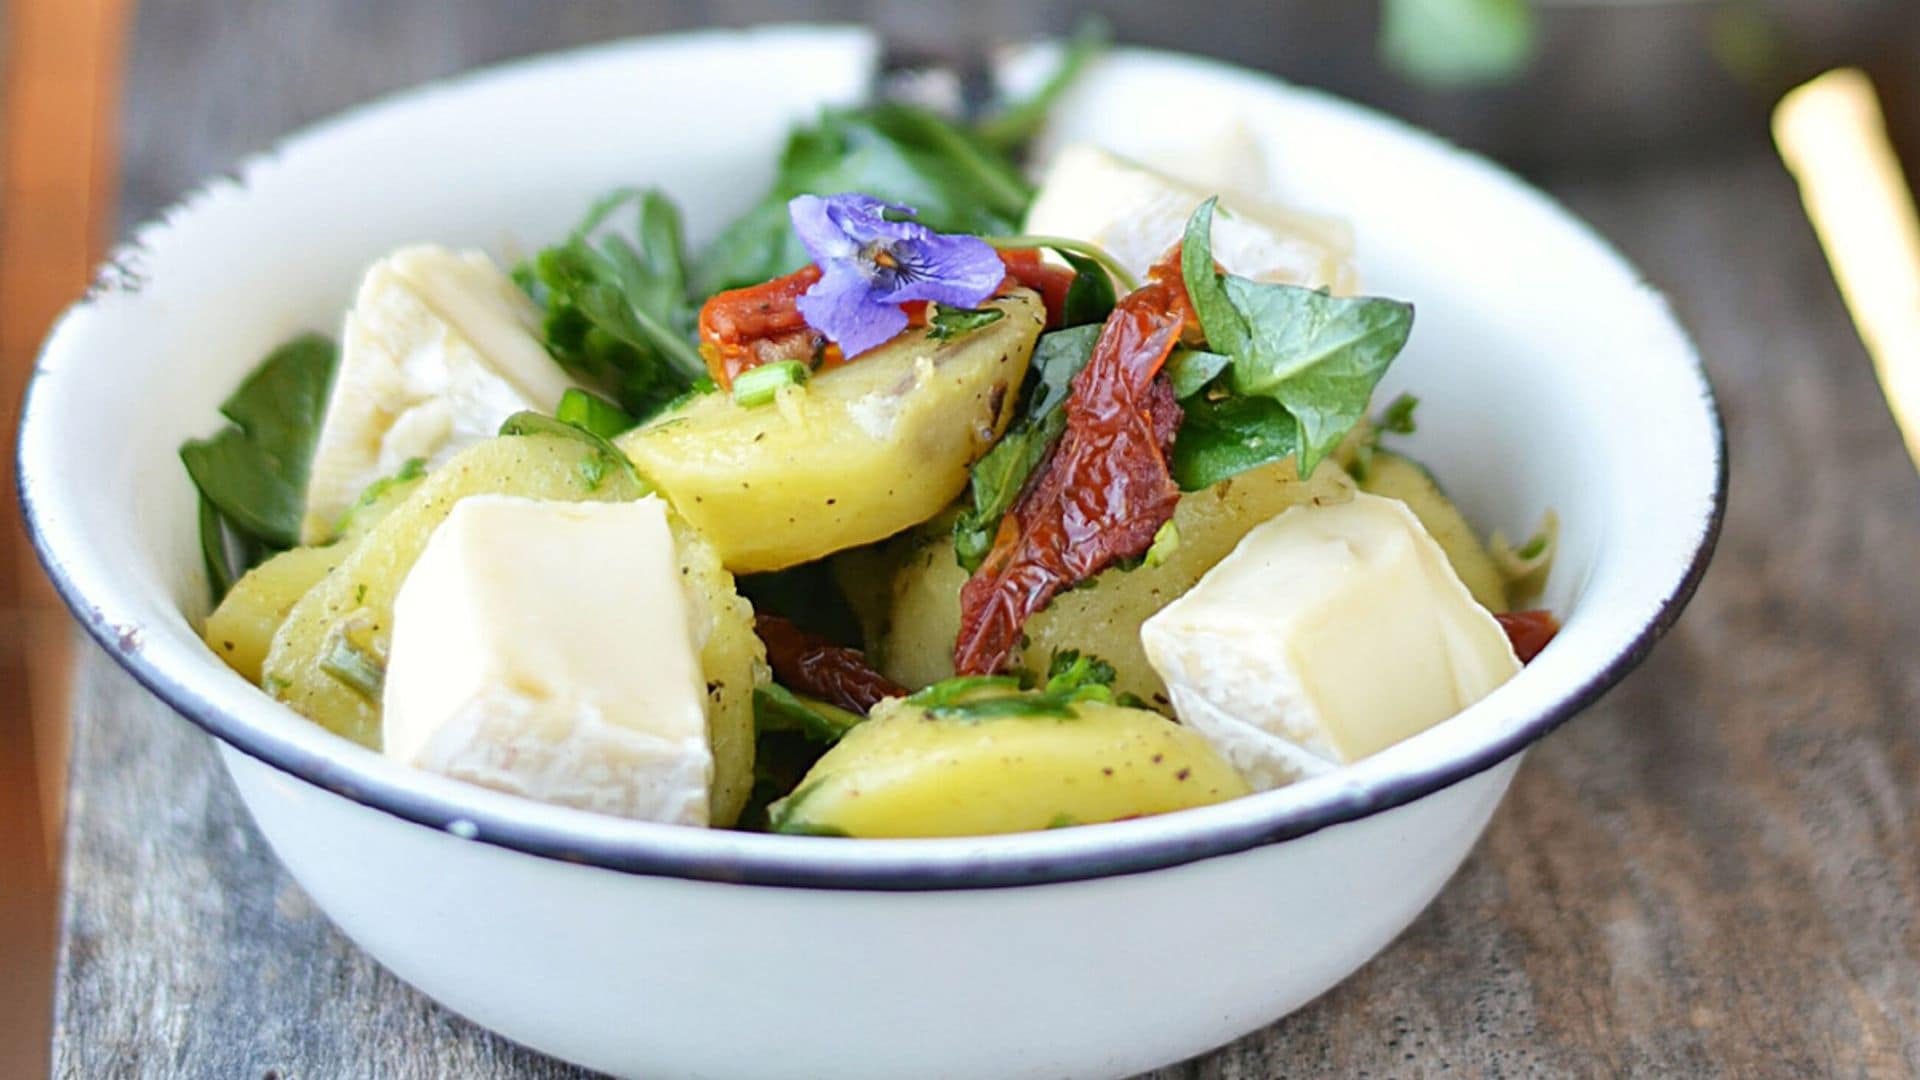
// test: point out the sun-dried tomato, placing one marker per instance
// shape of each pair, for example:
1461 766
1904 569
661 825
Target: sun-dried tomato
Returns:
741 329
812 665
1051 280
1106 489
1529 631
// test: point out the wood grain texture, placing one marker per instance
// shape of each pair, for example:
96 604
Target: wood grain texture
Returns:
1714 871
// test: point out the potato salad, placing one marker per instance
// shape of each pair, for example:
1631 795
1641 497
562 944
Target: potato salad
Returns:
951 490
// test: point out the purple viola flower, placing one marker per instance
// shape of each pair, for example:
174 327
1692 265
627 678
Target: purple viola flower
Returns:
872 260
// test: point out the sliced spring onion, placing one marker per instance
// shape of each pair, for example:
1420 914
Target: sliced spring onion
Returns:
757 386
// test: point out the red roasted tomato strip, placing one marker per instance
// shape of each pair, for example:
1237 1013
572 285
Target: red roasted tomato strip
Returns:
810 664
742 329
1106 489
1529 631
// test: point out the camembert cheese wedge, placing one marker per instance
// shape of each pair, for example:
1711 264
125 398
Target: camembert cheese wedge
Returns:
1137 213
1330 633
549 649
439 348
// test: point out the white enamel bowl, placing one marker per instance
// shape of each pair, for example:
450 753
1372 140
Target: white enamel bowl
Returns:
1550 376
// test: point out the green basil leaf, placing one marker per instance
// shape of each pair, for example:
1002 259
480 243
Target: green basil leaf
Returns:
1315 355
1090 298
1190 370
254 472
1219 439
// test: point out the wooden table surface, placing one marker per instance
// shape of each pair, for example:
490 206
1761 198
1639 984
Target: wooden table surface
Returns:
1715 870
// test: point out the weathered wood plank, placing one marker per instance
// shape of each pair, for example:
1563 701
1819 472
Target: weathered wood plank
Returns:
1713 871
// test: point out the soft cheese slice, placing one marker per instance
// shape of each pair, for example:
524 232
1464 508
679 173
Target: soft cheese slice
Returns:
549 649
440 347
1330 633
1137 213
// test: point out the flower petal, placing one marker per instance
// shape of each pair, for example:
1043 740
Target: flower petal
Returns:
819 227
841 306
958 271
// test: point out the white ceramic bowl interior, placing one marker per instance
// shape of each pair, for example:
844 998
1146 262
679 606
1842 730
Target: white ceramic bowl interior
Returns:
1550 376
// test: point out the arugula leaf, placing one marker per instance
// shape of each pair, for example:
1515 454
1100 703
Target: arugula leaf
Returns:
1090 298
1316 355
951 322
1001 474
1017 124
898 153
255 472
776 708
1071 679
617 313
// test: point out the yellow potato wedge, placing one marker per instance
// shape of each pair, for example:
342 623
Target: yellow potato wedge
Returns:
910 631
857 454
907 773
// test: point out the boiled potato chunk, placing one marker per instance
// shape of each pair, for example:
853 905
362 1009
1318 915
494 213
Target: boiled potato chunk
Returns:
355 601
241 629
858 454
1397 477
906 773
910 633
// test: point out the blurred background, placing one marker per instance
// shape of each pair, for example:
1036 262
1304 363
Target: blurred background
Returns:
1560 90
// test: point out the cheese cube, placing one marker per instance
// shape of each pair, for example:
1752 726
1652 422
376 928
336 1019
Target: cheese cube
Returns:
1330 633
439 348
1138 213
549 649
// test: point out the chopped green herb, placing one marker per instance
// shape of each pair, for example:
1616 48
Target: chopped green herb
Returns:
776 708
1395 419
1071 679
760 385
1526 567
1315 356
591 412
410 470
617 312
951 322
1166 541
354 665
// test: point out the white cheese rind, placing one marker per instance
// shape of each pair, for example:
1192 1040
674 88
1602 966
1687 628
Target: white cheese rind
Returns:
1137 214
439 348
549 649
1330 633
